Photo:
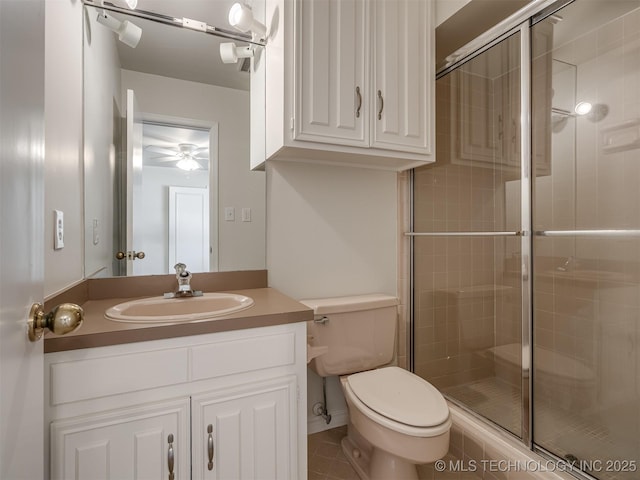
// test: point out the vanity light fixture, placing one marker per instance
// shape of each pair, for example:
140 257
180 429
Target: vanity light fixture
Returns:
128 33
230 53
241 18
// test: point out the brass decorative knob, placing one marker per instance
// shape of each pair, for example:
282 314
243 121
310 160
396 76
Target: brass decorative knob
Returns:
63 319
139 255
120 255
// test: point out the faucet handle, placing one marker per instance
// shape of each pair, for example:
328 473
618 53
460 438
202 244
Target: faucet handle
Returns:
180 268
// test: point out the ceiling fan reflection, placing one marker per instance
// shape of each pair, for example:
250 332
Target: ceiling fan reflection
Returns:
186 155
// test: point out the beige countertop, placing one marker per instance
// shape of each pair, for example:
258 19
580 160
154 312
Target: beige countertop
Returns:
270 308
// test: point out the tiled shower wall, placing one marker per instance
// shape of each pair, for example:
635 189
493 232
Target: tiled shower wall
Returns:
467 288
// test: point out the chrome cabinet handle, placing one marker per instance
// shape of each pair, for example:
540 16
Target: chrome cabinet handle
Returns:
321 320
210 446
359 102
381 100
170 457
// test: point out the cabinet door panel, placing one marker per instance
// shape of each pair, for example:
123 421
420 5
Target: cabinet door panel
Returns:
253 431
120 445
333 64
478 118
402 74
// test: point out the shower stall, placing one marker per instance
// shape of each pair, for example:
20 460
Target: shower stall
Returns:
526 234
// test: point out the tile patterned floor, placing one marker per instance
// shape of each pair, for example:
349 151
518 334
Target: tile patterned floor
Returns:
327 462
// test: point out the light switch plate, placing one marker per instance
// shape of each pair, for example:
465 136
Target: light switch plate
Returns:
58 230
96 231
230 214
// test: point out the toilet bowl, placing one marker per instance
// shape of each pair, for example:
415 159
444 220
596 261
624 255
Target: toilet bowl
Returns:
402 419
397 420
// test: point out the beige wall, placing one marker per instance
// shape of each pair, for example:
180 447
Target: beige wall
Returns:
331 231
63 141
446 8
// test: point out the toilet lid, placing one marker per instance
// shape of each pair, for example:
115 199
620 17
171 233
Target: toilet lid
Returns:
400 396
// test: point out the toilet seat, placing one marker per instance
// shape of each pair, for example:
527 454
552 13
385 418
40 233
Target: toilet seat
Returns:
399 400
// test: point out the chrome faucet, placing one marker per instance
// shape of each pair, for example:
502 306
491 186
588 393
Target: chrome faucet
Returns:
183 276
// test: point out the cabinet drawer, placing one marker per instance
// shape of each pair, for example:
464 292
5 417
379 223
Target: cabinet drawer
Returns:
243 355
99 377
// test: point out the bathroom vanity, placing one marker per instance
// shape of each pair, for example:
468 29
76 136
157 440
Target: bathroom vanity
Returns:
218 398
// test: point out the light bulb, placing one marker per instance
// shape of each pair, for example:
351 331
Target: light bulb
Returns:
582 108
241 18
236 14
188 164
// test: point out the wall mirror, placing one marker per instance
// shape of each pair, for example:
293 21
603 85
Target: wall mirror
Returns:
166 145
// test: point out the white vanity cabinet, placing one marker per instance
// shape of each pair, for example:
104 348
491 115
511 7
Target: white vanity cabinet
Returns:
213 406
349 82
333 76
403 76
254 418
128 443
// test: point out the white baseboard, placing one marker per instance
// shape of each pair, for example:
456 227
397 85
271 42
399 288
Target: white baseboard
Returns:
318 424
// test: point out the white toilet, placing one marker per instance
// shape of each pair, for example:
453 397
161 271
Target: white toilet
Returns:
396 419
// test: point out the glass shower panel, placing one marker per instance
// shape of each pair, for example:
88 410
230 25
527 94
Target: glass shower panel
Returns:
586 134
467 212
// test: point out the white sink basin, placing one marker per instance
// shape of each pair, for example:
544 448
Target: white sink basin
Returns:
171 310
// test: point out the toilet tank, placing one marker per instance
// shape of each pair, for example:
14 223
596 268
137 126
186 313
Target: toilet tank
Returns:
359 331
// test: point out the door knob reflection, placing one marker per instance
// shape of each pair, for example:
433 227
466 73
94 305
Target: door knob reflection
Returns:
130 255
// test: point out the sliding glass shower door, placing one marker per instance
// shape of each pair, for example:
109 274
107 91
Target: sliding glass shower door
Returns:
586 128
467 243
526 236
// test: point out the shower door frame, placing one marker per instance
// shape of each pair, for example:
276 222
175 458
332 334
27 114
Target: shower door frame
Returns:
521 22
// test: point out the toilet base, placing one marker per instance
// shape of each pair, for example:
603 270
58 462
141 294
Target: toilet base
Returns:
371 463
